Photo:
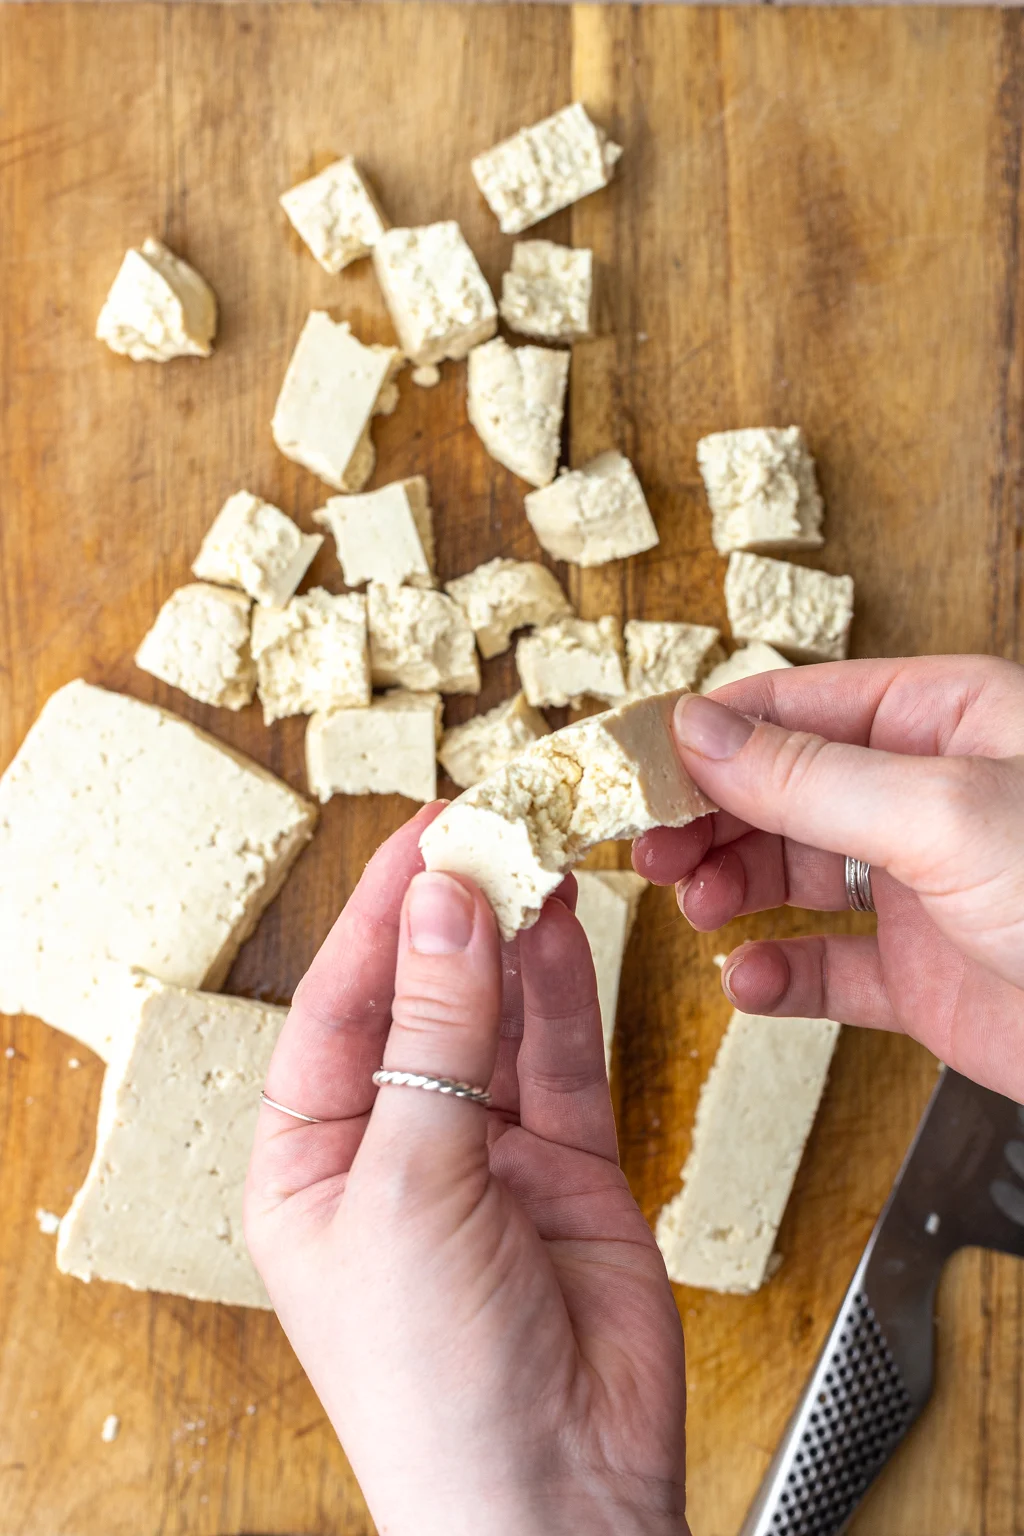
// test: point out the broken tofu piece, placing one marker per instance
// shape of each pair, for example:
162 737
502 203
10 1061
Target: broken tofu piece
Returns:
436 294
506 595
664 656
385 535
606 907
544 168
333 388
158 307
750 661
200 644
547 290
254 546
515 400
388 749
470 752
571 660
594 514
518 831
336 214
762 489
420 640
312 654
754 1115
805 613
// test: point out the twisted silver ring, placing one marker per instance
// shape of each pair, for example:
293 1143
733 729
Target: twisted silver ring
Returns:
858 885
445 1085
284 1110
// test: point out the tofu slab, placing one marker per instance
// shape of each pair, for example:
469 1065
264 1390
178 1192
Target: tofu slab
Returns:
158 308
436 294
805 613
749 661
595 514
547 291
127 837
664 656
336 214
515 399
762 489
253 545
471 751
312 654
420 640
572 660
385 535
606 907
388 749
544 168
505 595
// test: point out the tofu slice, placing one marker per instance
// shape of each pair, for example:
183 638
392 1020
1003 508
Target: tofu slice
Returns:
754 1116
313 654
571 660
436 294
505 595
388 749
200 644
161 1206
333 388
420 640
253 545
385 535
518 831
470 752
595 514
547 291
336 214
127 837
606 907
515 400
750 661
544 168
664 656
762 489
158 307
806 614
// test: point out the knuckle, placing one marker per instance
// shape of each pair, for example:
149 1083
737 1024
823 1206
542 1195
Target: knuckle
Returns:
794 763
424 1013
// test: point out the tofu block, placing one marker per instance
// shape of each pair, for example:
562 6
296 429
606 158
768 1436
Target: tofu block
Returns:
606 907
518 831
762 489
547 290
506 595
127 837
200 644
515 399
544 168
161 1206
388 749
336 214
420 640
664 656
594 514
806 614
333 388
754 1116
254 546
385 535
470 752
750 661
313 654
436 294
571 660
158 307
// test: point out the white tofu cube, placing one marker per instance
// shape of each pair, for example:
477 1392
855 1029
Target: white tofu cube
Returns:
385 535
200 644
515 400
571 660
336 214
544 168
437 295
506 595
606 907
806 613
420 640
254 546
547 291
388 749
158 308
750 661
762 489
595 514
312 654
333 388
470 752
664 656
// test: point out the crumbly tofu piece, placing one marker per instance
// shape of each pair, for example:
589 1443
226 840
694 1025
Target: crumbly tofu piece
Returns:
506 595
313 654
754 1115
518 832
158 307
515 400
762 489
388 749
336 214
436 294
571 660
333 388
470 752
594 514
420 640
127 837
806 614
255 546
664 656
547 290
606 906
385 535
161 1206
200 644
750 661
544 168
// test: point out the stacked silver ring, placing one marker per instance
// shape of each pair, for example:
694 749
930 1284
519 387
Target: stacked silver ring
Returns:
446 1085
858 885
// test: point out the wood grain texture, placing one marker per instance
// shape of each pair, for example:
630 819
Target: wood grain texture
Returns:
818 219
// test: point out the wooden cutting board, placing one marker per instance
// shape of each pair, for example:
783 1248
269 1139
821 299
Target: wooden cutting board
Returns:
818 219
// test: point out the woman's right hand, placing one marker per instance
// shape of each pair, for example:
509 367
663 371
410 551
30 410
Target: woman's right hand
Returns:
916 766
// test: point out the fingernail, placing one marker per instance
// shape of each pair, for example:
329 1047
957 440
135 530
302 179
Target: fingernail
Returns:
728 972
441 914
701 725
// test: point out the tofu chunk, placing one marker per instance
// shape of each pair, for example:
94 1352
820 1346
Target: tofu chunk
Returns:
547 291
571 660
388 749
200 644
420 640
254 546
750 661
515 400
606 907
664 656
544 168
312 654
506 595
518 831
385 535
436 294
754 1115
158 308
806 614
470 752
333 388
594 514
762 489
336 214
127 838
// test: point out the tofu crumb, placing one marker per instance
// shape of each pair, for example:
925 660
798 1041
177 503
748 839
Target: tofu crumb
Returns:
515 397
48 1222
10 1052
544 168
426 375
933 1223
111 1428
719 960
595 514
73 1062
250 1408
158 308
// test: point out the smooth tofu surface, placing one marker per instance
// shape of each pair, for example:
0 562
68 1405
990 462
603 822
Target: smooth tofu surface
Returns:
385 535
750 661
606 906
388 749
420 640
515 400
547 290
807 614
591 515
158 308
336 214
200 644
127 837
313 654
253 545
436 294
544 168
762 489
664 656
571 660
505 595
471 751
